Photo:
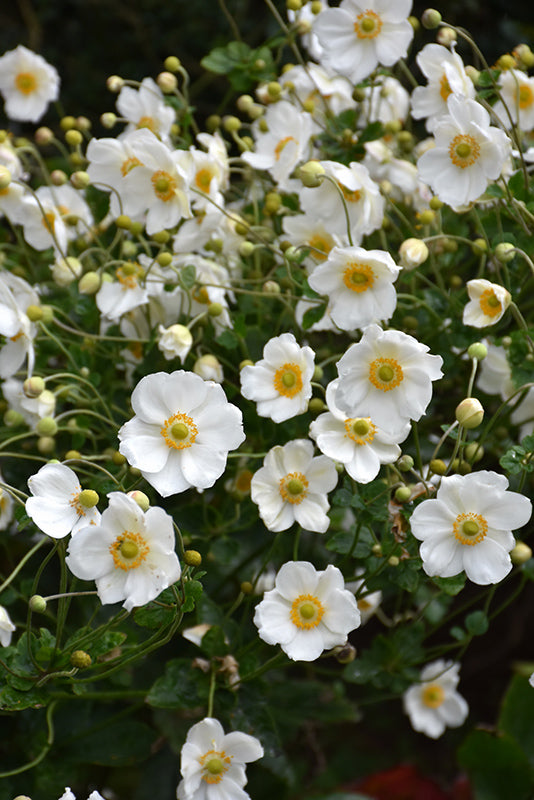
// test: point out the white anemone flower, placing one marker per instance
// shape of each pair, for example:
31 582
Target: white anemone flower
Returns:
110 160
182 431
469 153
309 231
307 612
468 526
446 75
129 554
15 297
27 83
174 341
359 285
59 505
6 507
32 409
433 704
385 101
6 628
292 486
487 303
356 442
145 107
517 92
495 376
213 763
280 383
387 376
69 795
361 34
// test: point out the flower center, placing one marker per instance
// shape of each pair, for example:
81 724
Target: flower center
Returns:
129 164
49 221
385 374
320 246
164 185
470 528
358 277
179 431
444 88
464 151
281 144
433 695
214 764
368 25
350 195
26 82
201 295
203 179
361 430
294 487
490 303
288 380
526 96
150 123
129 550
128 274
306 611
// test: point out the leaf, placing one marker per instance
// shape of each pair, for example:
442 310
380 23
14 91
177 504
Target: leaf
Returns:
477 623
497 767
14 700
228 340
517 186
313 315
188 276
512 460
192 591
451 586
180 687
517 713
223 60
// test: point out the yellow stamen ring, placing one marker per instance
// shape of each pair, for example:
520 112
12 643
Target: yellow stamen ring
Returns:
445 89
129 550
470 528
464 150
368 25
288 380
526 96
129 164
360 429
358 277
306 611
294 487
433 695
179 431
164 185
214 764
385 374
490 303
203 179
25 82
281 144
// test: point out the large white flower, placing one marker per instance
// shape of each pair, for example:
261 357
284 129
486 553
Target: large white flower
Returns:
387 376
469 153
517 91
292 486
446 75
434 704
468 526
182 431
280 382
307 612
361 34
213 763
130 554
28 84
487 303
59 505
359 285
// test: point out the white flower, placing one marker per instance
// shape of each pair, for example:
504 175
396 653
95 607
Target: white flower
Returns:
531 680
368 602
385 101
307 612
118 297
209 368
356 442
6 627
110 160
15 297
446 75
213 763
59 506
487 303
434 704
388 376
469 153
384 166
28 84
130 554
495 376
361 34
359 285
280 383
175 341
517 91
182 431
32 408
292 486
468 525
311 232
145 108
6 507
68 795
324 88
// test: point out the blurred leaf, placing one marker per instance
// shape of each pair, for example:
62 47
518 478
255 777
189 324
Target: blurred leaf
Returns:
517 715
451 586
180 687
497 767
313 315
477 623
115 744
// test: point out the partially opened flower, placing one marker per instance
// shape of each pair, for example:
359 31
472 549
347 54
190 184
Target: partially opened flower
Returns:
27 83
487 303
213 763
468 526
307 612
6 628
145 107
446 75
433 704
129 554
59 505
517 92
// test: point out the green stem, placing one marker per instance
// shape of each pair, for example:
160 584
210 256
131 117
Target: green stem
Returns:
44 751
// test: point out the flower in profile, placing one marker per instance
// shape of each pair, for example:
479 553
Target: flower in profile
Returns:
433 704
361 34
59 505
129 554
307 612
6 507
6 627
292 486
387 376
174 341
469 153
182 431
517 92
16 295
468 526
280 383
487 303
446 75
27 83
213 763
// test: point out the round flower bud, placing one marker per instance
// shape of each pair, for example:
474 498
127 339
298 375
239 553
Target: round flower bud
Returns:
33 387
438 466
403 494
209 368
244 103
89 283
525 55
316 7
271 287
81 659
167 82
12 418
473 452
161 237
80 179
376 550
215 309
274 90
520 554
435 203
66 270
213 122
470 413
192 558
88 498
45 445
47 426
164 259
124 222
246 363
67 123
140 498
393 561
344 654
115 83
431 19
83 123
293 5
413 253
43 136
246 249
73 455
58 177
446 36
5 177
172 63
34 313
231 124
118 458
505 252
246 587
311 174
73 138
426 217
37 604
405 463
316 405
506 61
477 350
108 119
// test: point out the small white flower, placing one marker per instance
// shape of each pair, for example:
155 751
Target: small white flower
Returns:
385 101
487 303
182 431
28 84
15 297
280 383
6 628
311 232
213 763
6 507
446 75
175 341
145 107
32 408
517 91
68 795
434 704
59 506
495 376
292 486
128 291
130 554
468 526
531 680
307 612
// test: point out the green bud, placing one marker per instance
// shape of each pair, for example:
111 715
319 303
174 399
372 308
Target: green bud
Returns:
520 554
438 467
405 463
403 494
505 252
477 350
37 604
89 283
431 19
47 426
80 659
33 387
192 558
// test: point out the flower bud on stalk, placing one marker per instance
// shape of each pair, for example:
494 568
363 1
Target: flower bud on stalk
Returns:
470 413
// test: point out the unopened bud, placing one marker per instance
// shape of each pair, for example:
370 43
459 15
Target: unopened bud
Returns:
438 466
470 413
43 136
505 252
192 558
33 387
73 138
520 554
477 350
47 426
271 287
89 283
215 309
172 63
376 550
80 179
405 463
231 124
5 177
209 368
393 561
46 445
345 654
140 498
403 494
115 83
430 18
316 405
58 177
413 253
311 174
246 587
473 452
167 82
81 659
66 270
37 604
108 120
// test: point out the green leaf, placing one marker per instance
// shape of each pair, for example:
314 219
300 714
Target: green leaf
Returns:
517 714
192 591
512 460
105 643
115 744
477 623
213 642
228 340
154 615
223 60
180 686
517 187
188 276
13 700
313 315
451 586
497 767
